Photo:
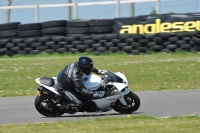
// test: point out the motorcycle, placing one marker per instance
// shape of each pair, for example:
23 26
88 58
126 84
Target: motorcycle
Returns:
49 102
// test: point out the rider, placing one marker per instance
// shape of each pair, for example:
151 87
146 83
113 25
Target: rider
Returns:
69 82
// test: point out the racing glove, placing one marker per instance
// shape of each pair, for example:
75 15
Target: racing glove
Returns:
99 94
102 72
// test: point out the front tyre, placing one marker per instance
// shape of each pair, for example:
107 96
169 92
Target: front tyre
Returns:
46 105
133 103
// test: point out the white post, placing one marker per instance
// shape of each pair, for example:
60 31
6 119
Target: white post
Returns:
132 9
199 5
75 11
36 13
117 8
158 6
8 11
69 10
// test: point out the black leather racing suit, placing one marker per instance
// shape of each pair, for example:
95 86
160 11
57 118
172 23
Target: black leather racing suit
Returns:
69 83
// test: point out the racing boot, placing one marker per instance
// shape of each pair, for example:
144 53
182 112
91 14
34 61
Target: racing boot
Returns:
69 108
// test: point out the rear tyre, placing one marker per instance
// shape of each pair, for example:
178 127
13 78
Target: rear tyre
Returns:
133 103
46 105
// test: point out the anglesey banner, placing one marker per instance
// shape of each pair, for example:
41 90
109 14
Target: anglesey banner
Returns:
158 24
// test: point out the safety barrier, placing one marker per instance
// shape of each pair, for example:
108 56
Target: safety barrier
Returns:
95 36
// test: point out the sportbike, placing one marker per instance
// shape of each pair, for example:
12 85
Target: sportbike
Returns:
118 97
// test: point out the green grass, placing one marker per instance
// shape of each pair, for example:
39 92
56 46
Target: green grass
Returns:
138 124
156 71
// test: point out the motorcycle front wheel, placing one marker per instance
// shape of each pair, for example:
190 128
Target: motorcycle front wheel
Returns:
46 105
133 103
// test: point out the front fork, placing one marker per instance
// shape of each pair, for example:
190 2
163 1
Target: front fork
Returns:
121 99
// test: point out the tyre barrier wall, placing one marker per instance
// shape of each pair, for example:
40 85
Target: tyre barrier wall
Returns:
94 36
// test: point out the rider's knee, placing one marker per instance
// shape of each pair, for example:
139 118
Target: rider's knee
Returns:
79 104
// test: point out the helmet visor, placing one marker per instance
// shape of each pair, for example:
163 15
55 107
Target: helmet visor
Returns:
87 68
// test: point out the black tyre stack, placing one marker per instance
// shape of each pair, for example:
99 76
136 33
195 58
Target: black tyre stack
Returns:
46 42
8 31
27 33
4 49
18 46
72 42
99 43
182 41
57 44
196 42
124 43
101 26
178 41
155 42
169 44
78 30
29 30
54 28
110 45
87 42
137 48
98 28
32 46
95 35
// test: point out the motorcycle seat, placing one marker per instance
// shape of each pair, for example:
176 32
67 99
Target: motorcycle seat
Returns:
48 81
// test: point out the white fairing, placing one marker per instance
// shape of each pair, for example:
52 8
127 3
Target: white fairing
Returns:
122 76
119 86
105 103
92 82
47 87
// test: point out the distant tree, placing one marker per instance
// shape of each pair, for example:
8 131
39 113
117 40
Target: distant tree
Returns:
171 13
153 12
77 19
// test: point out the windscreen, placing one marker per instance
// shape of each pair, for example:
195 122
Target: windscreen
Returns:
112 77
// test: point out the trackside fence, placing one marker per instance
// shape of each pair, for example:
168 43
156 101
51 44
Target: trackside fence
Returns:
75 6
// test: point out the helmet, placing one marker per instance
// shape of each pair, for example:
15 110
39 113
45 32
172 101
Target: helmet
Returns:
85 64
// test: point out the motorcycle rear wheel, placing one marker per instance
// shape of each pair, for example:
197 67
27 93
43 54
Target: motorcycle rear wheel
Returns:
45 105
133 103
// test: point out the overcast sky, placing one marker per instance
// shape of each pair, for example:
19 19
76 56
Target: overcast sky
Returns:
93 12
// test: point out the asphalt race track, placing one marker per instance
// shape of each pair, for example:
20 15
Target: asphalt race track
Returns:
153 103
